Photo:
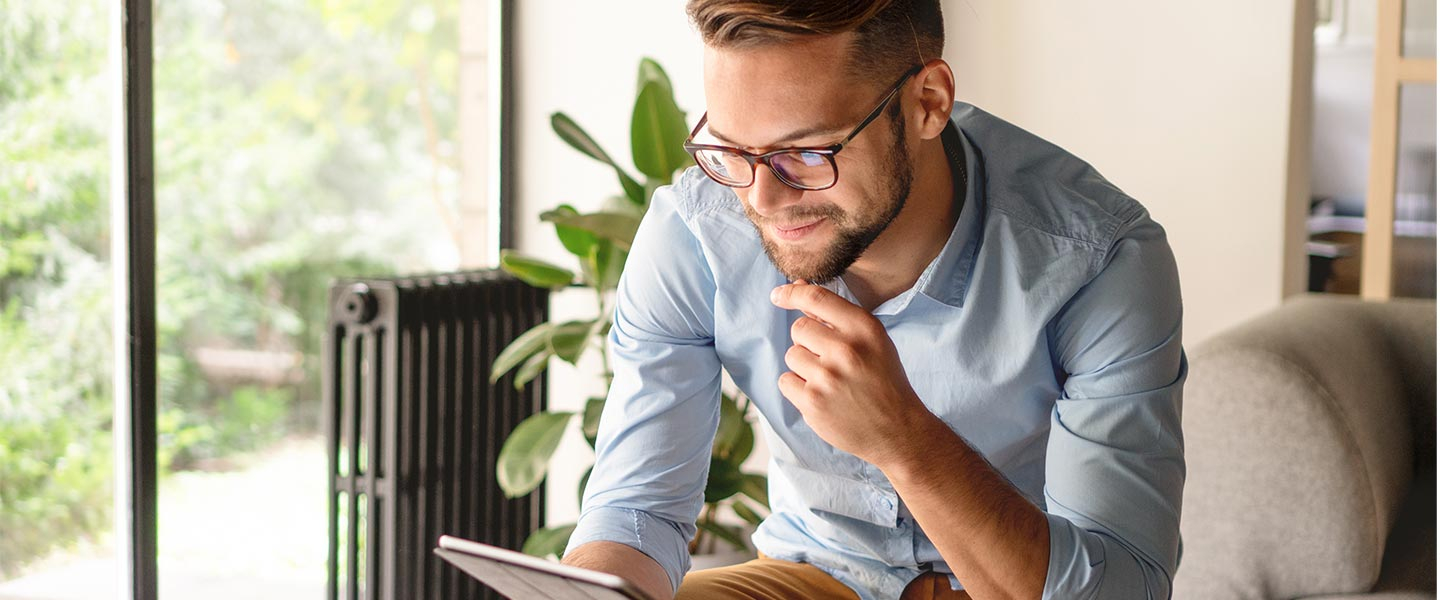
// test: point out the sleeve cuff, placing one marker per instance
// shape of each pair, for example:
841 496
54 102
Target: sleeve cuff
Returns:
1087 564
1077 561
657 538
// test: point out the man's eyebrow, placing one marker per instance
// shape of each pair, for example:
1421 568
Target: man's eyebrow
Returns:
798 134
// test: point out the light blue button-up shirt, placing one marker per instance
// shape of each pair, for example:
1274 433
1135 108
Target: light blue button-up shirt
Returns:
1046 333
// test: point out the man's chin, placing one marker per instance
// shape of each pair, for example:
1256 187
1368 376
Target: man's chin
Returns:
804 258
794 269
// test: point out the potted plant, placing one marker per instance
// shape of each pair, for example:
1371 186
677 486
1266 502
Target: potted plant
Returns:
600 241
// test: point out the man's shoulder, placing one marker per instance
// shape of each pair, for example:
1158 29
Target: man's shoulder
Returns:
1041 186
708 217
692 196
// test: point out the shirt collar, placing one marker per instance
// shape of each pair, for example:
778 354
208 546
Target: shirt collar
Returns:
946 278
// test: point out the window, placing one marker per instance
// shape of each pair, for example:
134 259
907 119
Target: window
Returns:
294 142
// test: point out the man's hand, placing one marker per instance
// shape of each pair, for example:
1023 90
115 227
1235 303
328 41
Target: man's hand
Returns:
846 378
848 383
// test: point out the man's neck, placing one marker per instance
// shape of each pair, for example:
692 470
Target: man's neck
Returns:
917 235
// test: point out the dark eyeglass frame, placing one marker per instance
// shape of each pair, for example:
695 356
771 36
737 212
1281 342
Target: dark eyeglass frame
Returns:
828 152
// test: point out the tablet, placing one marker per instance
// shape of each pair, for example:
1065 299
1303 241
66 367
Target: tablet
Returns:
522 577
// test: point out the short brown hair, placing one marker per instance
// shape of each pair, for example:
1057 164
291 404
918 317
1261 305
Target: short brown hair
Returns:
890 35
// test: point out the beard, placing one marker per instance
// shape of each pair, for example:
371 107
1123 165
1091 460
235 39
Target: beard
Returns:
854 233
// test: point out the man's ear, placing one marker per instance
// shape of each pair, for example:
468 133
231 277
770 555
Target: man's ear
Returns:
936 98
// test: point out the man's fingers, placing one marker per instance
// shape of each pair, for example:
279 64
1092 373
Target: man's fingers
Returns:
816 302
803 362
814 335
803 282
792 386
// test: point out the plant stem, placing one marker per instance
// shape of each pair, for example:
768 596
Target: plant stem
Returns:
604 343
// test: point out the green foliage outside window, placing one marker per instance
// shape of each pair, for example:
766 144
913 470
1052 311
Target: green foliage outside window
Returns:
296 141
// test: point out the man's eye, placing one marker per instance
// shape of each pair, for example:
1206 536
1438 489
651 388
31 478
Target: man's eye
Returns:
812 159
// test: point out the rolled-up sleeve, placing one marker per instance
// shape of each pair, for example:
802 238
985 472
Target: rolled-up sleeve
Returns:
653 449
1115 466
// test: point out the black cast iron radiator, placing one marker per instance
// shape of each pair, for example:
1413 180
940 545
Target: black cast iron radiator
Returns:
413 427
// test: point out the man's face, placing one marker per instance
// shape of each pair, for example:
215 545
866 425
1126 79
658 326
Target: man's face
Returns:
801 95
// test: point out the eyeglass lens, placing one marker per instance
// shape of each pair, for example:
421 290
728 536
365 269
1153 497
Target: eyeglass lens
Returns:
798 168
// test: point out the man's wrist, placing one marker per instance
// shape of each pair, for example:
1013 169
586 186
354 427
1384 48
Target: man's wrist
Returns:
913 457
625 562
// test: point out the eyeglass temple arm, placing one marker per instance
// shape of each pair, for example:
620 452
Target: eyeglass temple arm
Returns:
696 131
875 114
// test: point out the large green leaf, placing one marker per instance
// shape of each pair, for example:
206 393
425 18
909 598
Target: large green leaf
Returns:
634 191
729 431
533 366
590 419
576 240
572 134
614 226
744 511
520 350
584 480
567 340
534 271
657 133
730 534
526 454
757 488
744 444
601 326
549 541
607 261
651 71
724 480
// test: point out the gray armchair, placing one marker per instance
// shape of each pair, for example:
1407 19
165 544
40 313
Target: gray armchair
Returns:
1310 445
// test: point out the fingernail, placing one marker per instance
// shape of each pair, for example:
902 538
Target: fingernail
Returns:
775 294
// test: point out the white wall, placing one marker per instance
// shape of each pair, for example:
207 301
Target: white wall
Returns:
1186 106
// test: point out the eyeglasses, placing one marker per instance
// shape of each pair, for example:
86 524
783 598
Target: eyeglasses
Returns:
809 169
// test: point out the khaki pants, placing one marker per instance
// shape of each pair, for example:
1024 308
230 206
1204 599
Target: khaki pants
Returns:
769 579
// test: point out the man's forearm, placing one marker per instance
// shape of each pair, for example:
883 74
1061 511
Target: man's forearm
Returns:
628 563
993 539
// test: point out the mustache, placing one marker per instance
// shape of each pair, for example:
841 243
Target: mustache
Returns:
798 214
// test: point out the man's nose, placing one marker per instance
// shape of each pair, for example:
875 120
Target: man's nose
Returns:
769 195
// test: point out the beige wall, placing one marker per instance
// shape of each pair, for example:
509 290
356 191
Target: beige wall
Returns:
1186 106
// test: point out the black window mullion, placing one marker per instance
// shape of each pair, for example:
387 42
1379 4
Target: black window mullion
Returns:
503 49
140 259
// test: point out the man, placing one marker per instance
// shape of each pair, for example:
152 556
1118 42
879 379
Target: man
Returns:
964 342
